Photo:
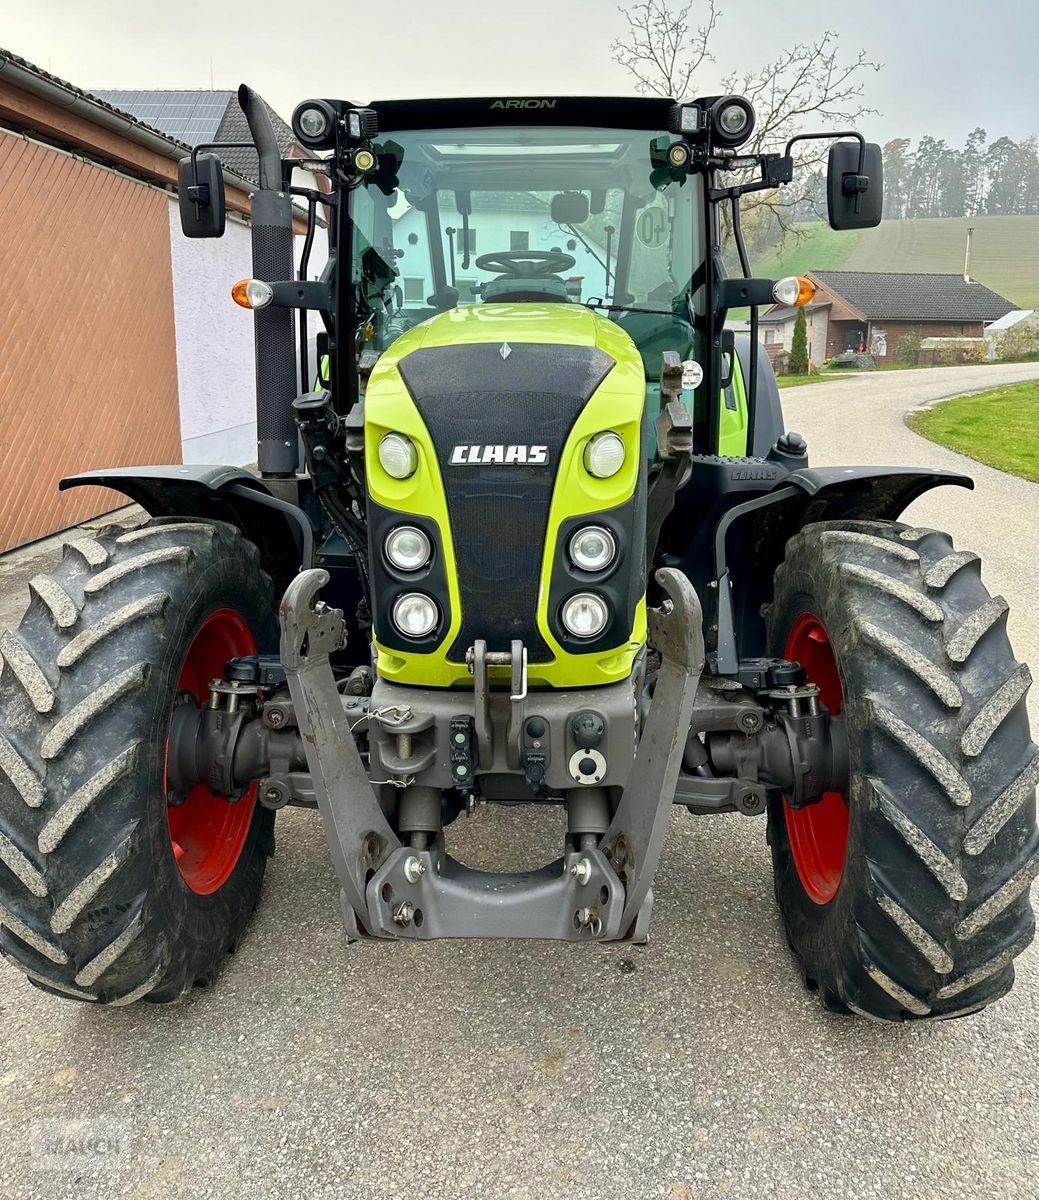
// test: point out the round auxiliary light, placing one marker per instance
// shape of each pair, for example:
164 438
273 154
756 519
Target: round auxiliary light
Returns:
364 160
592 548
733 120
793 291
585 615
604 455
408 548
313 123
415 615
678 154
398 456
252 293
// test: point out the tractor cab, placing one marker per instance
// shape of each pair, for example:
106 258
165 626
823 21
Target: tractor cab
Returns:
537 213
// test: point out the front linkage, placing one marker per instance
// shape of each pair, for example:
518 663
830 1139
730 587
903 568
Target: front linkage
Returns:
595 892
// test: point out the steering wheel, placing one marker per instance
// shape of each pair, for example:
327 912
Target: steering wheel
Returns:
526 264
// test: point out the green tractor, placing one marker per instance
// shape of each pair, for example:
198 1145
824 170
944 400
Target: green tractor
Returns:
527 527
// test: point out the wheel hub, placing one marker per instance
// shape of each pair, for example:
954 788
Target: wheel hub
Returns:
207 830
818 833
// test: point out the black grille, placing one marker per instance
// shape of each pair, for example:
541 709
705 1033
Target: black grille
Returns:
471 395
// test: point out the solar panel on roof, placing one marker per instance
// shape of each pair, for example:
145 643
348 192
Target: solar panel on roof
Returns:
191 117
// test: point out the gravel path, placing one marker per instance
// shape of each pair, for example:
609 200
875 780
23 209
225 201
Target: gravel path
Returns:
695 1067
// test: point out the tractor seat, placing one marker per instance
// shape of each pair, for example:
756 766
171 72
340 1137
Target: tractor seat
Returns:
508 289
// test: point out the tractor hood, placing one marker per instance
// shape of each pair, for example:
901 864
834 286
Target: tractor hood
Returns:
546 324
498 403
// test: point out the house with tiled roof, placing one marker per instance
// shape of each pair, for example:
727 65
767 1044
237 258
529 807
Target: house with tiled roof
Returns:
197 116
873 311
134 349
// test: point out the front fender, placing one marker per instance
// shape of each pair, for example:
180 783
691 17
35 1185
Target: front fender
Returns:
281 530
751 537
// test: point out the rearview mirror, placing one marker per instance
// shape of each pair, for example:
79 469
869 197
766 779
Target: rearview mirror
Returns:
200 195
569 208
854 199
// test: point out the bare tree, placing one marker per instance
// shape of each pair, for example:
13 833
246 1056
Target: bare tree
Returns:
661 49
809 84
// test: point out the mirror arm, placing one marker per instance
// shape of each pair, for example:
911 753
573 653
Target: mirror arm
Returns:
737 235
849 188
194 193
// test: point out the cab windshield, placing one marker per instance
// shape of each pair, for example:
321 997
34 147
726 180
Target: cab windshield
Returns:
526 214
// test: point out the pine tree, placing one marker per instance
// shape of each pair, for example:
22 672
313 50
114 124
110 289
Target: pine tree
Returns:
799 346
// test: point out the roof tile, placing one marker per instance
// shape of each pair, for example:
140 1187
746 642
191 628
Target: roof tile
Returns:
894 296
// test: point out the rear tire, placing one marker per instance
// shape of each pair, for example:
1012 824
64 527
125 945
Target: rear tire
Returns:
932 903
93 904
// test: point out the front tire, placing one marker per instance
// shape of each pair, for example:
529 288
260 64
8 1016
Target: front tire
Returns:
908 897
106 893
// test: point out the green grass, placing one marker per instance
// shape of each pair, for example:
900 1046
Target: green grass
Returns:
1005 254
818 248
999 428
788 381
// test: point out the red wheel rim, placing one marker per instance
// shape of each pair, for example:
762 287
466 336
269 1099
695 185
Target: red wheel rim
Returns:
818 834
207 831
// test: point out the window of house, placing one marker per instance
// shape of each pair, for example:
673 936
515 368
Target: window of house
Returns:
519 239
414 288
770 337
461 240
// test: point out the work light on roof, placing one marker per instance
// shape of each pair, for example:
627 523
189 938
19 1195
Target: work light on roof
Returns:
313 123
732 121
362 124
685 118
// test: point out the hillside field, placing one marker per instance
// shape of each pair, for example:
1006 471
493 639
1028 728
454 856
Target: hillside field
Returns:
1005 256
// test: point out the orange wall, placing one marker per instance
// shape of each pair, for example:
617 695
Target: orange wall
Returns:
88 370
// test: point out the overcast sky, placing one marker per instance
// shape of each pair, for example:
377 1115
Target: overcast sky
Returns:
948 64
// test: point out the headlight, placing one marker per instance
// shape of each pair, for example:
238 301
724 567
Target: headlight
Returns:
733 119
415 615
585 615
408 548
398 456
604 455
313 123
592 548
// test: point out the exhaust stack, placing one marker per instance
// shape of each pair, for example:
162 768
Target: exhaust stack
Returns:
276 385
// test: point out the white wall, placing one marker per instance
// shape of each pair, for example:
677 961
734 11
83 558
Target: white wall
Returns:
216 372
817 322
215 364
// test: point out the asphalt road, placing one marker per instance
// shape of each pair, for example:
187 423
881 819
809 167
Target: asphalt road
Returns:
694 1067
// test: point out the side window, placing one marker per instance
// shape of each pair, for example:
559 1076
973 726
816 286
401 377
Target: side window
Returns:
410 235
363 213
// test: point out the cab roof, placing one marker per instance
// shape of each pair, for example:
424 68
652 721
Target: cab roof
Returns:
602 112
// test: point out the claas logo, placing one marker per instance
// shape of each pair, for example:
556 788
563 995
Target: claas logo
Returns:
478 456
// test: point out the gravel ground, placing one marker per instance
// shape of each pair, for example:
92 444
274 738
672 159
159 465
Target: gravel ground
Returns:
694 1067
